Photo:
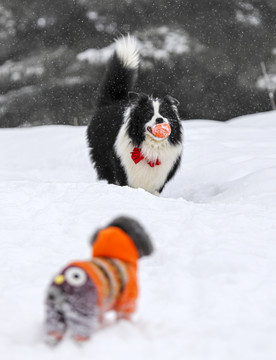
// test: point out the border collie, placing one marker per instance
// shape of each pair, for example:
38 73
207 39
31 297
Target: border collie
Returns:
123 147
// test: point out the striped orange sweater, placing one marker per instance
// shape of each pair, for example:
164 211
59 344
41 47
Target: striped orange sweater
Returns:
113 270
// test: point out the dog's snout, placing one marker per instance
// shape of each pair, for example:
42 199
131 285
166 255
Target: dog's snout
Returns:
159 120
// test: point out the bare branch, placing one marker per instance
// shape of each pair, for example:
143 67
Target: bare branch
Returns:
269 88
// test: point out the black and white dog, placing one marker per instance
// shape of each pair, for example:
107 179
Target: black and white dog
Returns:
123 148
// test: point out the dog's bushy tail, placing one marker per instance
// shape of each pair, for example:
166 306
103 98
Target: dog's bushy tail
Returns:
121 72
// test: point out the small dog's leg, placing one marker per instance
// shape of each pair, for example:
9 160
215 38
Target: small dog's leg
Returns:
55 325
123 316
125 308
126 305
81 326
101 317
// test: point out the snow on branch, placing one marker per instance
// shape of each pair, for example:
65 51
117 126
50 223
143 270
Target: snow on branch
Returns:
269 86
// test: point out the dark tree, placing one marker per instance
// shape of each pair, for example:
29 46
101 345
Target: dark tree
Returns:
205 53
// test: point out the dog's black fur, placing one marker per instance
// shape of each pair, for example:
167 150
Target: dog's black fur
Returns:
117 106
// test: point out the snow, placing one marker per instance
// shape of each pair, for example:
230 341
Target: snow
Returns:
97 56
163 42
157 43
16 70
209 290
268 81
250 19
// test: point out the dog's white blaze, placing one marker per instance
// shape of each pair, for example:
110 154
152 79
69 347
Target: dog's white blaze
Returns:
156 115
141 175
127 51
156 104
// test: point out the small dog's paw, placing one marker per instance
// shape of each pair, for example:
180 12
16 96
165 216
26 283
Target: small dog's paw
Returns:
53 338
123 316
80 338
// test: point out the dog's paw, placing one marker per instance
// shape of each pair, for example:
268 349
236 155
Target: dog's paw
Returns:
53 338
123 316
156 193
80 339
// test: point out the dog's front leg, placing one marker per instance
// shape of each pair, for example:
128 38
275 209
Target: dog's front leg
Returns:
81 326
55 325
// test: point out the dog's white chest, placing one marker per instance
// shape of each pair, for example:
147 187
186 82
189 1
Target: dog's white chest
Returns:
142 175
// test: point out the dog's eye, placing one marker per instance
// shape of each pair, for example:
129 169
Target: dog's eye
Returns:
75 276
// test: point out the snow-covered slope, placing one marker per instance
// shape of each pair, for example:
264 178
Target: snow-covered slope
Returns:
208 291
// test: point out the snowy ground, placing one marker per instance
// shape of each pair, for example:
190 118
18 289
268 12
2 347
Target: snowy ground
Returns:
209 290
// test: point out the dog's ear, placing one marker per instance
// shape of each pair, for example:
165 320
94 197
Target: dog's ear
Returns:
170 100
135 97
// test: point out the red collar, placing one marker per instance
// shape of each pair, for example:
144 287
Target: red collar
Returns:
136 156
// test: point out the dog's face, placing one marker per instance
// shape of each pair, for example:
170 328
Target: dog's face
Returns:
72 286
147 112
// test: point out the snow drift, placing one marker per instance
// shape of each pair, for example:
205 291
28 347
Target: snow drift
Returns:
208 291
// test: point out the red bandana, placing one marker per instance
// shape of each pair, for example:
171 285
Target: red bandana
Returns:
136 156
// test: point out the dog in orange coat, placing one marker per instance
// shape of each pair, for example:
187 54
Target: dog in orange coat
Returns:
84 290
